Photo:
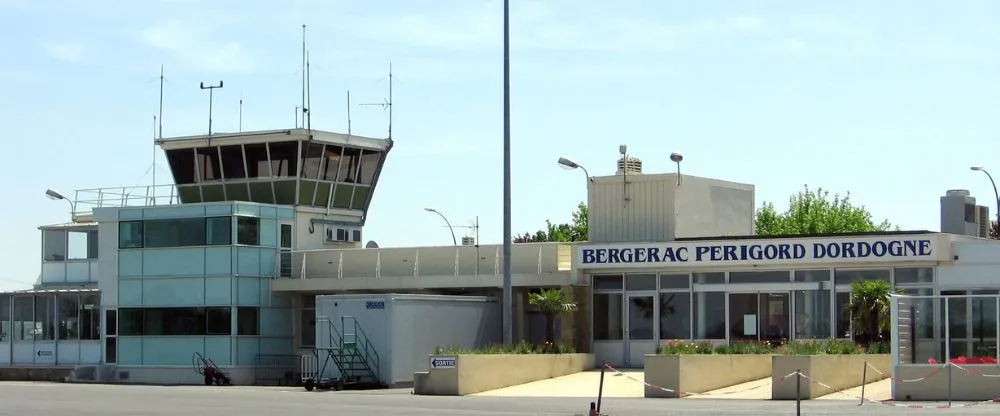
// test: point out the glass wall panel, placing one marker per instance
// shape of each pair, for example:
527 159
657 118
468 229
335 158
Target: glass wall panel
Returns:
675 281
675 315
913 275
709 278
819 275
219 230
218 321
209 166
54 244
90 318
256 156
607 282
312 158
232 162
640 281
182 165
176 232
956 309
812 313
608 322
848 276
284 158
641 314
69 316
248 231
843 315
369 165
984 325
24 318
348 171
331 162
744 316
307 327
765 276
130 234
247 320
5 327
44 317
710 315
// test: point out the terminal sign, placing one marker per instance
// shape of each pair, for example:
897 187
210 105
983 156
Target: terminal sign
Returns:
746 252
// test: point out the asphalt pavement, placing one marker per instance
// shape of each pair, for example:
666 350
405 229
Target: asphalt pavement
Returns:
18 398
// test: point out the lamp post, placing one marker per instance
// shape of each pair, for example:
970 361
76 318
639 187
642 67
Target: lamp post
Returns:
508 290
995 193
53 195
568 164
448 223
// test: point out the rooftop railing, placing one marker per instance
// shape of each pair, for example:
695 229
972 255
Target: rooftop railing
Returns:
485 260
125 196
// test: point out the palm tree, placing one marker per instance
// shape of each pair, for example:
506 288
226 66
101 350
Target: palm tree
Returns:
551 303
869 309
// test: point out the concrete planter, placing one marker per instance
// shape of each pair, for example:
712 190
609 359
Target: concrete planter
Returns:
982 384
837 371
699 373
475 373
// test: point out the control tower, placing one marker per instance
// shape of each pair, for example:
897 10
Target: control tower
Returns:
318 171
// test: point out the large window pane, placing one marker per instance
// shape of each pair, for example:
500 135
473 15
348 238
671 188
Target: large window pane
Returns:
843 316
312 157
675 315
284 158
177 232
812 313
44 317
675 281
209 165
369 164
218 321
744 316
130 234
918 343
257 166
182 165
331 162
54 244
607 282
247 321
307 327
710 315
637 281
641 312
608 323
24 318
232 162
5 327
709 278
130 321
984 326
248 231
820 275
219 230
173 321
913 275
69 316
956 309
348 171
846 277
90 318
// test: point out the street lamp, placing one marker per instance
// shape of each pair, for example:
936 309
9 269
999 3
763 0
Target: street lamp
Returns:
53 195
450 228
992 182
508 239
568 164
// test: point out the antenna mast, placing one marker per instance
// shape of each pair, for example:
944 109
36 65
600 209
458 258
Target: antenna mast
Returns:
154 153
211 92
241 111
308 98
348 112
303 107
158 125
387 104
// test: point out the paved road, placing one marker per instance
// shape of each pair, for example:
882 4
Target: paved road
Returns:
105 400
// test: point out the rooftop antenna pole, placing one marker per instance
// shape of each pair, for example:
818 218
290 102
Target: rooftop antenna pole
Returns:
241 111
304 75
158 121
308 98
348 112
297 116
386 104
154 151
211 92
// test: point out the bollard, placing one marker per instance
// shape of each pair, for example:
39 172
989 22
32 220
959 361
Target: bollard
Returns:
864 381
949 364
798 392
600 387
593 409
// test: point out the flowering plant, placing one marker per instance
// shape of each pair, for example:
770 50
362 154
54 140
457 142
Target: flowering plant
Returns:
968 360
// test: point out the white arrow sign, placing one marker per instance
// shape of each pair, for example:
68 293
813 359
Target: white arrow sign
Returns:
444 361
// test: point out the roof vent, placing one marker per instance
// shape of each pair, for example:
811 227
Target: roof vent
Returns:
629 165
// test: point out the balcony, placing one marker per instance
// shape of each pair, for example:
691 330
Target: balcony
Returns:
69 254
534 264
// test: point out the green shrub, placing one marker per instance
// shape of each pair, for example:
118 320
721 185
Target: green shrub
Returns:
519 348
677 347
822 347
819 347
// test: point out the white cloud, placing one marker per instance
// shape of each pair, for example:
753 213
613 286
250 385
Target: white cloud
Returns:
197 47
65 51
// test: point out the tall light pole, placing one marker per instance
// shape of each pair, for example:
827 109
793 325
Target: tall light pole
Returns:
995 193
508 291
211 91
450 228
568 164
53 195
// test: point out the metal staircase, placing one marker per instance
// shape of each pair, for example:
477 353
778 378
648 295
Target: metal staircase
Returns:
349 351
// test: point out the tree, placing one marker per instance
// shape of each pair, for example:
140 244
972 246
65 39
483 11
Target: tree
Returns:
869 310
812 212
551 303
995 231
576 230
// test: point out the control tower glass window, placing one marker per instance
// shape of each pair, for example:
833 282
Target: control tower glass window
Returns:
257 166
369 165
331 162
209 166
233 166
312 158
349 165
182 165
284 159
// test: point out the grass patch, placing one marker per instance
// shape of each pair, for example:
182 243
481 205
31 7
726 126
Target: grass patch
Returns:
820 347
519 348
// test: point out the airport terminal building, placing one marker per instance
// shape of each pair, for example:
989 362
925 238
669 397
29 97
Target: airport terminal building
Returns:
228 260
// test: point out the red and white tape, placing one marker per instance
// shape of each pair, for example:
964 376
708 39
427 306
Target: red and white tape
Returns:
689 393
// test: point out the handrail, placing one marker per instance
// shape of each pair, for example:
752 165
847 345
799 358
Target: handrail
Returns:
369 349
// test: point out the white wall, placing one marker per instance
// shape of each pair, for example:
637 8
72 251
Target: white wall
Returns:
107 261
306 240
977 265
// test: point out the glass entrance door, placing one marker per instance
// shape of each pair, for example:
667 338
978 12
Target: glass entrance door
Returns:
640 339
759 316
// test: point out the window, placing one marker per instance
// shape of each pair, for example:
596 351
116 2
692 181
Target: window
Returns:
846 277
312 157
348 171
257 166
917 341
232 162
24 318
176 232
675 315
640 282
69 316
771 276
284 158
608 282
111 319
822 275
247 321
219 231
5 330
111 350
248 231
44 320
209 166
710 315
812 313
709 278
369 165
608 322
307 327
331 162
54 244
182 165
90 318
675 281
174 321
913 275
843 316
130 234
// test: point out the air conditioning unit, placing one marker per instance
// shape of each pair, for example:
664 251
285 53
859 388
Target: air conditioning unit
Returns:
340 234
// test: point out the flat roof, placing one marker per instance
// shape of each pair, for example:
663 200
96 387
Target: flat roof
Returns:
266 136
69 226
816 235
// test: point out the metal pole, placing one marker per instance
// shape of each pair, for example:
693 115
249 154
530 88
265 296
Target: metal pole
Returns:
211 90
448 223
949 364
600 388
508 291
864 381
798 392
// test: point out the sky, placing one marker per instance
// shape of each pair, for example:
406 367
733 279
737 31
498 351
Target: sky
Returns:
891 101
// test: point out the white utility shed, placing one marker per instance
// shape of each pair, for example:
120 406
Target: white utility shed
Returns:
404 329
